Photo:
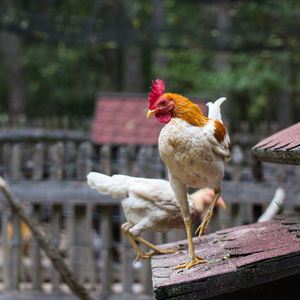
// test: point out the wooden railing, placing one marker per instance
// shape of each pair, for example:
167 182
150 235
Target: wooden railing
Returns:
47 171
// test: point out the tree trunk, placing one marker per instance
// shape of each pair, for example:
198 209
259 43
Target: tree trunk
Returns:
133 77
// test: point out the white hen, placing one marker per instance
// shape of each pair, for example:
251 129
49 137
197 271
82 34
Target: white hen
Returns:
149 204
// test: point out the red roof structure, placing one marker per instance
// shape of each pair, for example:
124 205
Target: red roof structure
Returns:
281 147
121 120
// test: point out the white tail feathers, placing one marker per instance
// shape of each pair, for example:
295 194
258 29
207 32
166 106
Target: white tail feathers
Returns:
214 109
116 185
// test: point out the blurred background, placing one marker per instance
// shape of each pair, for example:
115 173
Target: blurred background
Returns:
74 81
57 55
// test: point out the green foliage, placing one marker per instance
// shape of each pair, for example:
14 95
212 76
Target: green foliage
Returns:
259 53
56 81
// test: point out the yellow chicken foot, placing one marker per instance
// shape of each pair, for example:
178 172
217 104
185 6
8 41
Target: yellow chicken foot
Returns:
142 255
203 227
193 258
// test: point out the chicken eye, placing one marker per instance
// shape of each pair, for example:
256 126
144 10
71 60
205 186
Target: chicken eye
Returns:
163 102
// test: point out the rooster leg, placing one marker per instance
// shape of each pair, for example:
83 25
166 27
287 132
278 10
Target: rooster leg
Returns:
202 228
181 196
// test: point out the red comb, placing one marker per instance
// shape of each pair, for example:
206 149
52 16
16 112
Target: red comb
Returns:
157 90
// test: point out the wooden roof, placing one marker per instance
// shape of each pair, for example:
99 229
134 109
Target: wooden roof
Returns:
238 258
281 147
120 119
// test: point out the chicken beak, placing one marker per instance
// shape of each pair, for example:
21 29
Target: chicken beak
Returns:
222 203
150 112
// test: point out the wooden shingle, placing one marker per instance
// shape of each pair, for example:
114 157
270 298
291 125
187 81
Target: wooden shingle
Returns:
246 262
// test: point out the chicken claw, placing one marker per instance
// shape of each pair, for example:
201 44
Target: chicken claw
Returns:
148 255
191 262
203 227
142 255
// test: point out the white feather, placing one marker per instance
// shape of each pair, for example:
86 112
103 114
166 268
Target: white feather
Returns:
116 186
214 109
274 206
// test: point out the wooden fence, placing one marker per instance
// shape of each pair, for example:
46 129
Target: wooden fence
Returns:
47 171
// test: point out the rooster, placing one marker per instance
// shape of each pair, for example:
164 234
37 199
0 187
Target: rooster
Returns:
194 148
149 204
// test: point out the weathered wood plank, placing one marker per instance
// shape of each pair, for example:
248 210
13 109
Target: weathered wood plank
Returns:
106 159
51 192
70 160
106 251
15 254
243 257
78 241
90 265
38 161
56 156
127 258
291 157
33 295
84 163
55 231
6 154
16 161
38 135
36 273
5 244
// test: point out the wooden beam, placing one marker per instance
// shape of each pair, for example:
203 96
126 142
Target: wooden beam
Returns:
74 192
291 157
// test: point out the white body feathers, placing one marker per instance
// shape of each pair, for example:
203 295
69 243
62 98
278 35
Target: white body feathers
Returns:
149 204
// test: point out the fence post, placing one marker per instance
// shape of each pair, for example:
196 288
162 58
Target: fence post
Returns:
79 241
106 251
16 161
127 260
106 159
70 160
145 169
38 161
55 227
56 155
15 254
36 253
6 245
90 267
84 164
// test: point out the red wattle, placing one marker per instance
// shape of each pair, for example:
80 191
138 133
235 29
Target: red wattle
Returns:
163 117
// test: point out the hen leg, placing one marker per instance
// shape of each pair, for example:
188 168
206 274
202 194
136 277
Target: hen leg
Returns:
140 253
129 236
155 249
181 196
203 227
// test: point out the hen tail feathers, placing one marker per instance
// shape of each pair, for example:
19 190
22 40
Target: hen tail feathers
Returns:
116 185
214 109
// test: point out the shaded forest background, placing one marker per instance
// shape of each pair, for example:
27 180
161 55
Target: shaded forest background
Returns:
56 56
